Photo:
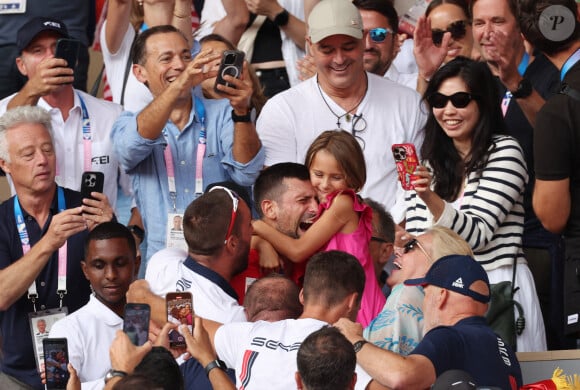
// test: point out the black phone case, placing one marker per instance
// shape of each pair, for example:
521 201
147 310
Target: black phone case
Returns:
232 65
55 363
68 49
136 322
92 182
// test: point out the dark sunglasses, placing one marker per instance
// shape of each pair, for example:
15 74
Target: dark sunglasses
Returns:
458 99
379 34
414 243
457 30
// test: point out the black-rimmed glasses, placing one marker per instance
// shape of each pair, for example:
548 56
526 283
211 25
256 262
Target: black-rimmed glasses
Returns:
458 99
414 243
457 30
235 202
381 240
359 124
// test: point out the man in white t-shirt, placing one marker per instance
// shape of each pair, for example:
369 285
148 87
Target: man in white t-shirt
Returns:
264 353
81 123
378 112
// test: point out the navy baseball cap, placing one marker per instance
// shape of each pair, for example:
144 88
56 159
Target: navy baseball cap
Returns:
35 26
455 273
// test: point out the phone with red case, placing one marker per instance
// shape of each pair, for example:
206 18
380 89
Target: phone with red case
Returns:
407 162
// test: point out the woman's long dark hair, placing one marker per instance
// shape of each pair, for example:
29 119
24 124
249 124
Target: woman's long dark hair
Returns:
438 149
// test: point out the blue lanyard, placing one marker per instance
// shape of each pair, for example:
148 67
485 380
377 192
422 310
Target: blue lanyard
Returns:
86 122
570 62
524 64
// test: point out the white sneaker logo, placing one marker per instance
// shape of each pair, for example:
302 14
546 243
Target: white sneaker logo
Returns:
458 283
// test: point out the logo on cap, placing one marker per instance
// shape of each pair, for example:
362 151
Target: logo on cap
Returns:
52 24
458 283
557 23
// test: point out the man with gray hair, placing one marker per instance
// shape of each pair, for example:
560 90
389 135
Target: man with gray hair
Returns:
42 233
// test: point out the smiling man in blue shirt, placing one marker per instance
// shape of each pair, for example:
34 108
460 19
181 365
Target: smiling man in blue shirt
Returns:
164 147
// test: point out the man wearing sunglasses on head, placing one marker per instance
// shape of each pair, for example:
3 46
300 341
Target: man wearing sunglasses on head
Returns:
525 78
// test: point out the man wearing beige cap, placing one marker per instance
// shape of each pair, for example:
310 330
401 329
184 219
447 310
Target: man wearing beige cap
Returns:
378 112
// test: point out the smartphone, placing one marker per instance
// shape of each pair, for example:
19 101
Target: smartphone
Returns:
232 65
136 322
179 311
55 363
407 162
68 49
92 182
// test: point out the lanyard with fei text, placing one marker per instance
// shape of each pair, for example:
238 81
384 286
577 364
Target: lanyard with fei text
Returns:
200 112
25 241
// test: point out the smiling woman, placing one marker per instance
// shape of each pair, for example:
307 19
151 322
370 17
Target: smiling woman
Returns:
472 181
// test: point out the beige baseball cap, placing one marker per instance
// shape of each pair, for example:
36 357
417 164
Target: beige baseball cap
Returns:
334 17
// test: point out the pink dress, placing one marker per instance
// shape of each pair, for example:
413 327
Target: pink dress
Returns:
357 244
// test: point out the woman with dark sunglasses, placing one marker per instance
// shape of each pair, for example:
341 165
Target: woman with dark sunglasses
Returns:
442 34
472 181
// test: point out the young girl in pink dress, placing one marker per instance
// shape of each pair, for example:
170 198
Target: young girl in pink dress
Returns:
337 171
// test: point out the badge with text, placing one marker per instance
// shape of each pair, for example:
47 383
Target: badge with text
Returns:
175 238
40 324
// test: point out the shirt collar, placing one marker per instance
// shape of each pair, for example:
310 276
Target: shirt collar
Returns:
210 275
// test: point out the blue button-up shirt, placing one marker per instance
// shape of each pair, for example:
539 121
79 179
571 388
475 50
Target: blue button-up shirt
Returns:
143 159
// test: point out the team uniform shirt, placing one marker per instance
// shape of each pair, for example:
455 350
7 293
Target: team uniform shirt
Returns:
264 353
292 119
399 326
144 160
213 297
470 345
89 332
489 215
137 95
69 148
18 360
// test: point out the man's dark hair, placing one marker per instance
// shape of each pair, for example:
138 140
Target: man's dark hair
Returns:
332 276
206 221
139 47
530 11
383 7
108 230
386 225
161 369
270 184
136 382
326 360
272 295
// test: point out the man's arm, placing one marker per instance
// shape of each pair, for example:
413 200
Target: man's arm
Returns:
233 25
117 23
139 292
388 368
17 277
552 203
295 28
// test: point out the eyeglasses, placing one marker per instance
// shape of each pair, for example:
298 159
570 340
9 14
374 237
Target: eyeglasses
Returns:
379 34
457 30
235 201
378 239
411 244
359 124
458 99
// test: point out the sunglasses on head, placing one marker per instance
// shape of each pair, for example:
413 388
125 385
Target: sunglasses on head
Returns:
457 30
458 99
235 200
379 34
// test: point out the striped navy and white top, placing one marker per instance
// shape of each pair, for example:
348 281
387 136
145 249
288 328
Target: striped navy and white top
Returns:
490 213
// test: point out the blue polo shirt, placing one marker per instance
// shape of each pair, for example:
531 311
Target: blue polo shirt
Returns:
472 346
17 348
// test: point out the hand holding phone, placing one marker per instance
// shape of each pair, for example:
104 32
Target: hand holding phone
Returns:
136 322
407 162
92 181
231 65
55 363
179 311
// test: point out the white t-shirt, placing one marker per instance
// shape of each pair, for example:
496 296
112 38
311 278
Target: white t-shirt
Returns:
167 271
89 332
264 353
292 119
69 146
137 95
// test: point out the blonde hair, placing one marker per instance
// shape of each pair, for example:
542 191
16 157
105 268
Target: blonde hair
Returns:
447 242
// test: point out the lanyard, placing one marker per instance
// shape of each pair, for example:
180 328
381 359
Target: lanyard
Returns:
87 138
570 62
201 146
522 67
25 241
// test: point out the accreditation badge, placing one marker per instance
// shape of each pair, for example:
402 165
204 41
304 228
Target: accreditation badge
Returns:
40 324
